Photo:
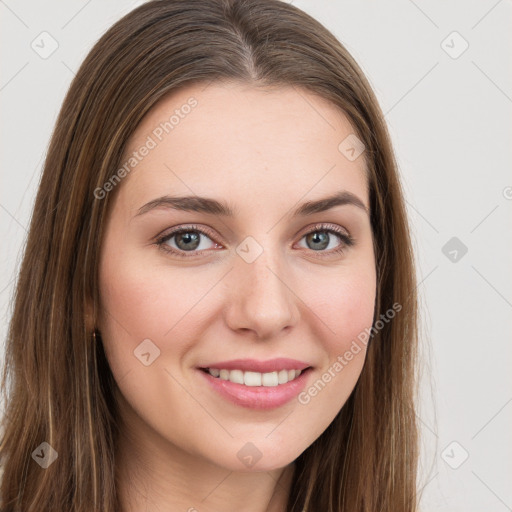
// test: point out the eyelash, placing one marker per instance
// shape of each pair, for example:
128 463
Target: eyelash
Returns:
346 239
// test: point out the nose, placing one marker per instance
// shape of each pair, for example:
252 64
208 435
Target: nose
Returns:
261 297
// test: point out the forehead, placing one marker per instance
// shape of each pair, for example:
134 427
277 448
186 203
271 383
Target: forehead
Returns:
242 141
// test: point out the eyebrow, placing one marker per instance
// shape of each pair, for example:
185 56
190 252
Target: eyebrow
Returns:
214 207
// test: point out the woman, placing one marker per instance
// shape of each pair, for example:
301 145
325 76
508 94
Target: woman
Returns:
216 308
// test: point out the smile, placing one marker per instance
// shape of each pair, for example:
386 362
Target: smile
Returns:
248 378
252 389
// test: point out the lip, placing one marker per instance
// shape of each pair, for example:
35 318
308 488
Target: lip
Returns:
257 397
252 365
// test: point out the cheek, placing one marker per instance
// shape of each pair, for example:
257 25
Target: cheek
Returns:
135 304
344 301
345 306
142 300
351 309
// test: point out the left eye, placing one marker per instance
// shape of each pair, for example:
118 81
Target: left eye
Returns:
320 240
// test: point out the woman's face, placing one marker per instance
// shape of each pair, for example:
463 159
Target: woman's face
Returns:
254 292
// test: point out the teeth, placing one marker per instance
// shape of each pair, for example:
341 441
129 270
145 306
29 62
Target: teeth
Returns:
252 378
270 379
236 376
255 378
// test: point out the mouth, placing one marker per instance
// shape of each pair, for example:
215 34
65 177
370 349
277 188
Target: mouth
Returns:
253 385
253 379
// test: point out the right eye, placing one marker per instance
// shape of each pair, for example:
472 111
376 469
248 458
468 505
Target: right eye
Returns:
187 239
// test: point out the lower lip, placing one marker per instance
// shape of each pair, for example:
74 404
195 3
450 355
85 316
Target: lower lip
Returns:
258 397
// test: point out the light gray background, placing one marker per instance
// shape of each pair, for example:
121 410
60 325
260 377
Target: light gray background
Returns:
450 119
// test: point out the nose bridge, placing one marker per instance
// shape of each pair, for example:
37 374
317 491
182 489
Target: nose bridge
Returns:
261 298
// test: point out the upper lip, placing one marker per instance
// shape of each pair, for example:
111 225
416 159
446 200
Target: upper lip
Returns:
252 365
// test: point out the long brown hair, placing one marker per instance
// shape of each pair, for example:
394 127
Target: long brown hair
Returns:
57 385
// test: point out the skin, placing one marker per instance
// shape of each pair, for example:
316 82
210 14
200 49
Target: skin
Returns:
264 151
